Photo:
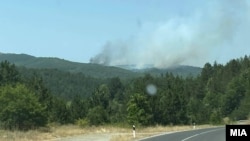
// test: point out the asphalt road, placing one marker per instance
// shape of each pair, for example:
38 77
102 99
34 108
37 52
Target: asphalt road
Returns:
209 134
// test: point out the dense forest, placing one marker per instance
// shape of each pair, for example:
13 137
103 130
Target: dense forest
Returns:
93 70
64 84
218 93
67 79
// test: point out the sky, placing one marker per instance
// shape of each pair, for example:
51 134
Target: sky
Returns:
163 33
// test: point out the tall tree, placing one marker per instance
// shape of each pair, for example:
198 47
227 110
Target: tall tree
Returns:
139 110
8 73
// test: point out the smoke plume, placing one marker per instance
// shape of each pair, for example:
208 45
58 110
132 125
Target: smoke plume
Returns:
181 40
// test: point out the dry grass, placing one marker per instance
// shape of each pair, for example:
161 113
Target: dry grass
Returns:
33 135
243 122
40 134
118 133
56 132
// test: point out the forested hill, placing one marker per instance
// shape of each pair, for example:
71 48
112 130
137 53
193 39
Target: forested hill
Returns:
219 95
67 79
180 70
93 70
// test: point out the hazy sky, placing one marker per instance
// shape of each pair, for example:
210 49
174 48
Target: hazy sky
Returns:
113 32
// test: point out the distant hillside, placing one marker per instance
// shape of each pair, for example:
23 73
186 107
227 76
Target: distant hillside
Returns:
94 70
177 70
64 84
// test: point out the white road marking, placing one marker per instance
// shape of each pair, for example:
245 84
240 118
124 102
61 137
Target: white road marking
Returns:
199 134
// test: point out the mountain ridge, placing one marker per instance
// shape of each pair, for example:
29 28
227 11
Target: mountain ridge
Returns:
93 70
90 69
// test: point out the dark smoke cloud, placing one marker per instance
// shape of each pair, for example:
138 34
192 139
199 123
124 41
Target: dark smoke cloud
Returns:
190 40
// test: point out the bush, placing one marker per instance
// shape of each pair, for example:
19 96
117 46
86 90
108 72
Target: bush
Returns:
215 118
82 122
97 116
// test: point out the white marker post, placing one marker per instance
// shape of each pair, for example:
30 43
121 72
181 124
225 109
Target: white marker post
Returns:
134 131
194 125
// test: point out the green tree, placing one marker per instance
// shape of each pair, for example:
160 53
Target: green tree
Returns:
99 104
101 97
60 112
44 97
206 72
8 73
242 96
139 110
79 108
20 108
116 89
232 98
116 111
97 115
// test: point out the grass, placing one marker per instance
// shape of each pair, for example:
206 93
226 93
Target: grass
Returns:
56 131
120 133
40 134
32 135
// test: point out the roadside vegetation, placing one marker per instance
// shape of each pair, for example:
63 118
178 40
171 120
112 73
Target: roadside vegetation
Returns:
220 94
116 132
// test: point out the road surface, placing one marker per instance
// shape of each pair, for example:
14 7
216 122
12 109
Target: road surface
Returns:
209 134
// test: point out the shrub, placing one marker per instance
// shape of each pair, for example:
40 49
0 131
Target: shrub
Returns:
82 122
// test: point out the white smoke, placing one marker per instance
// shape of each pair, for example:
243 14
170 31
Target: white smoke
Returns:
180 40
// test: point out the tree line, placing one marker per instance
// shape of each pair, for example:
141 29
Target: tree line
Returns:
220 92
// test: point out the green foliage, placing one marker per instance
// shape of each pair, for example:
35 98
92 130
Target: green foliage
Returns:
8 73
240 93
116 89
20 108
97 116
60 112
220 91
184 71
63 84
93 70
116 111
215 117
101 96
82 122
79 108
139 111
